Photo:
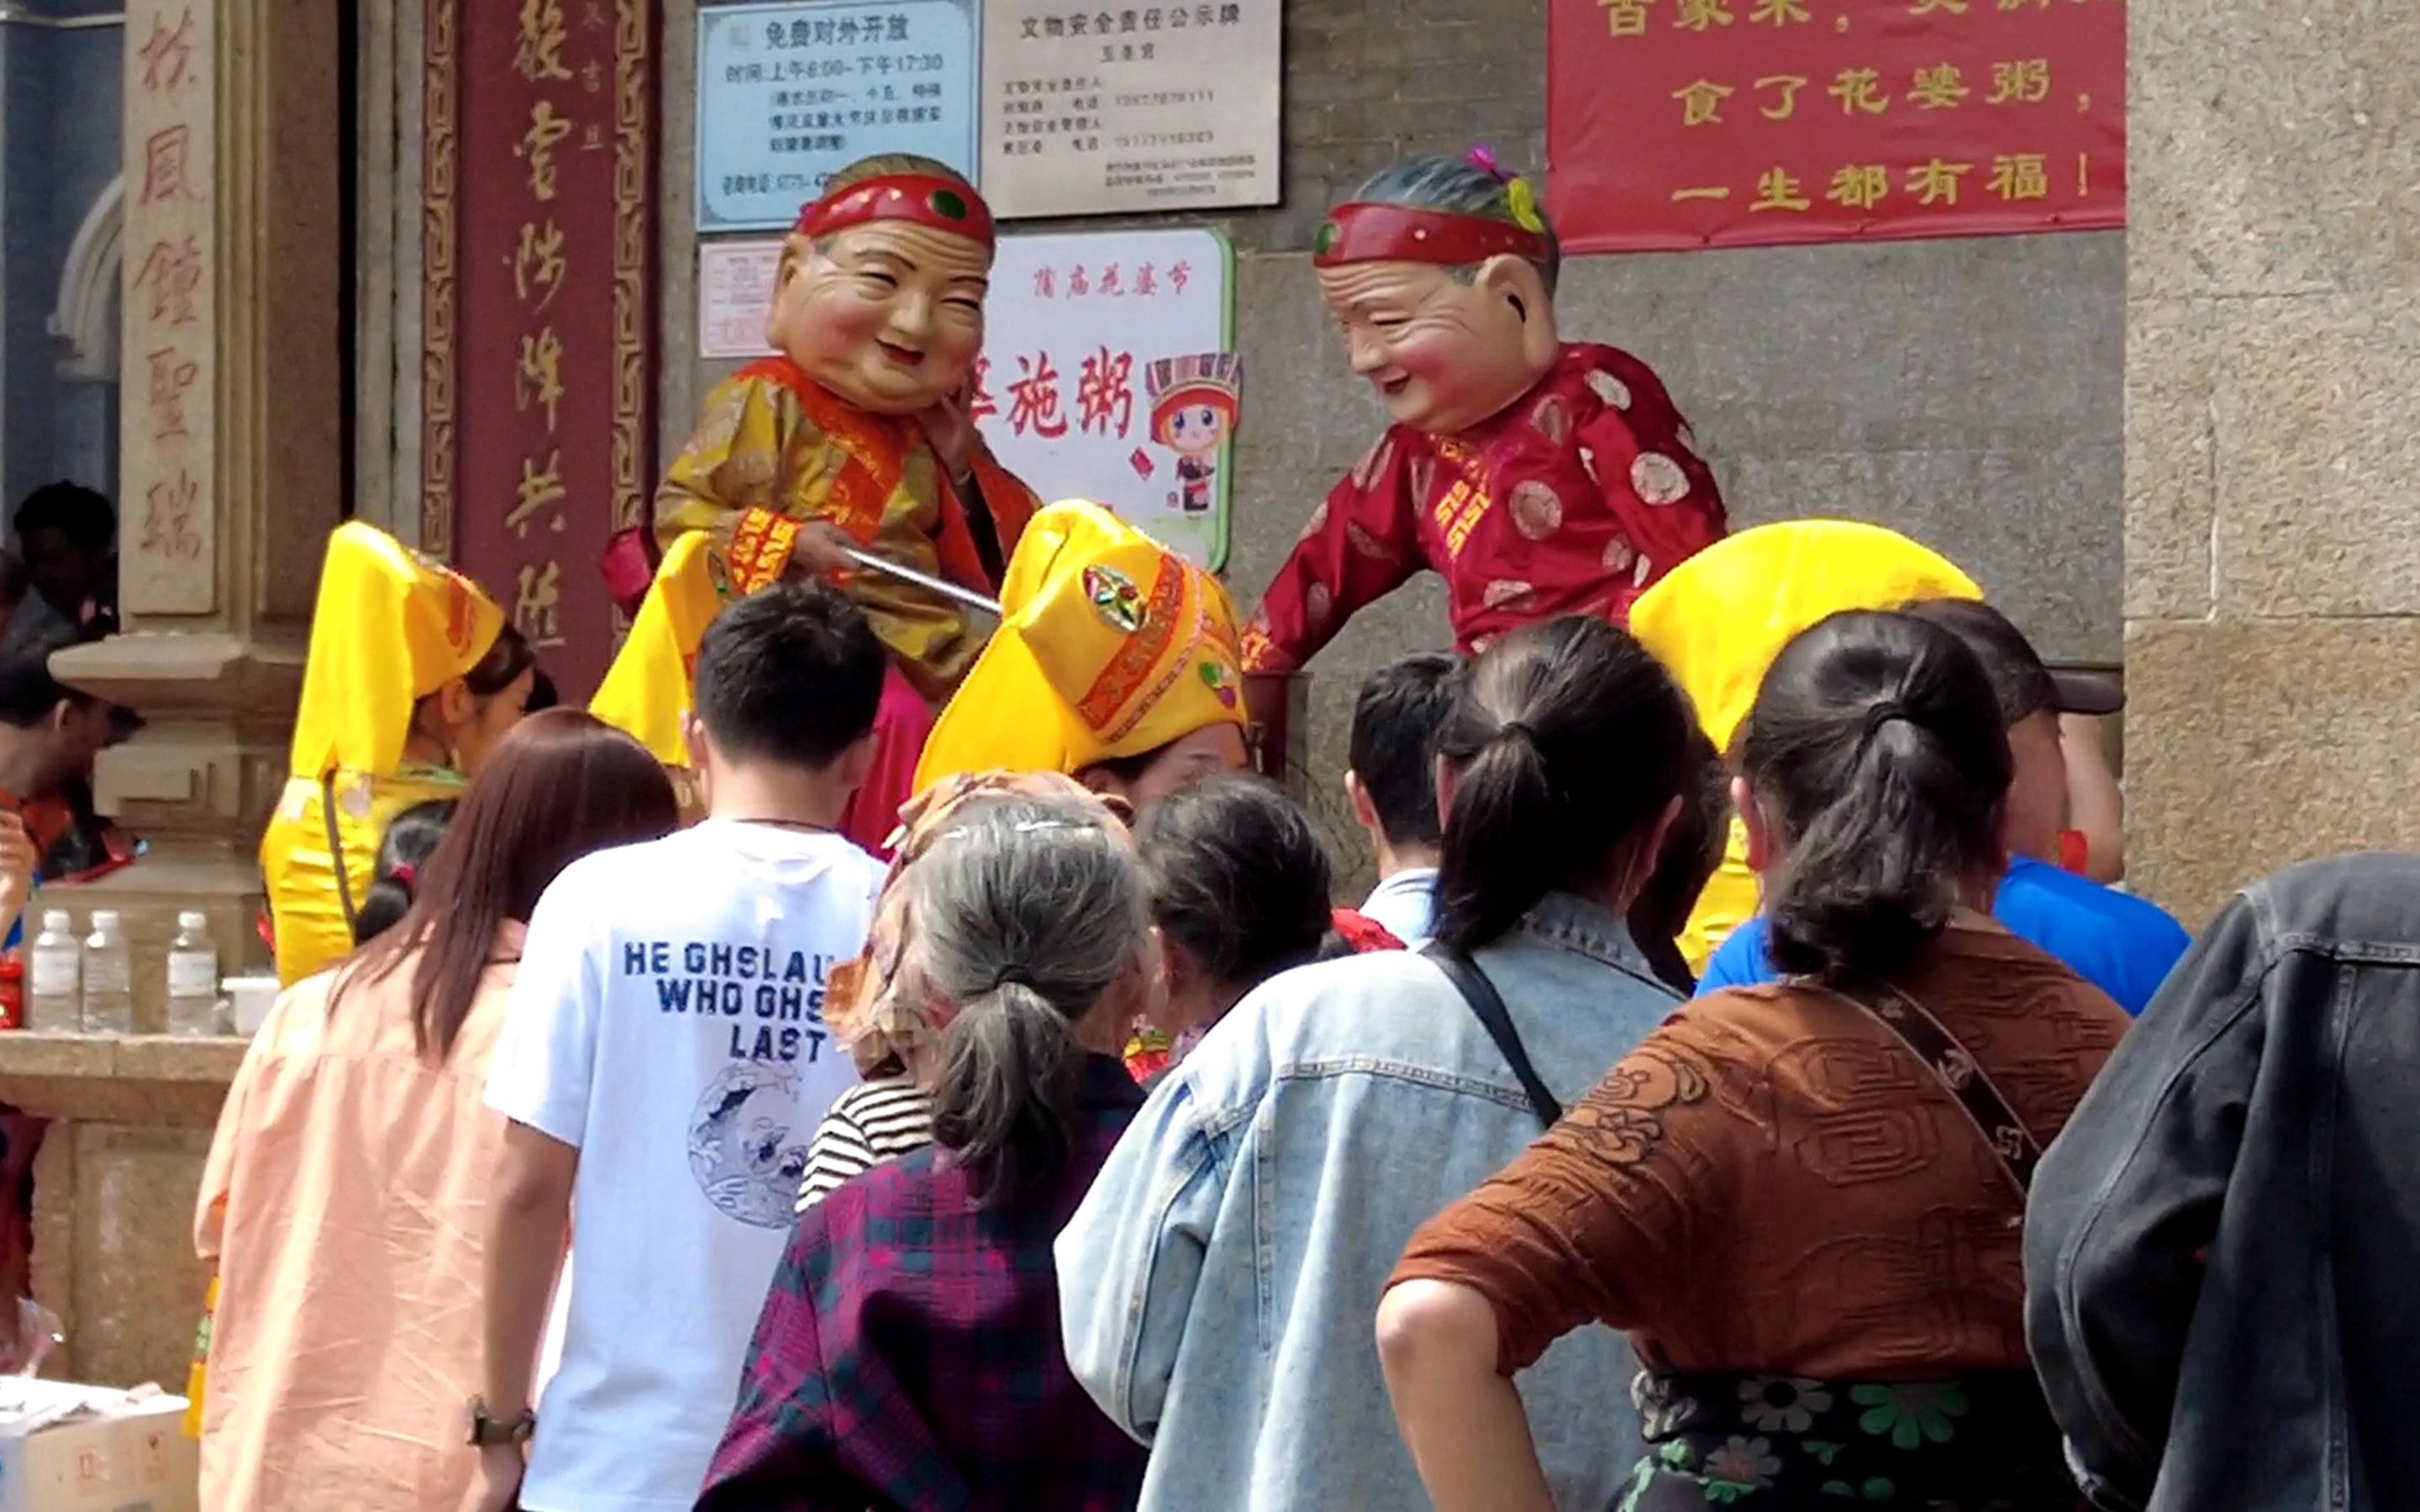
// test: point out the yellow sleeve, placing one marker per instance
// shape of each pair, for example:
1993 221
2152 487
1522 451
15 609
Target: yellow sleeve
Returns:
732 481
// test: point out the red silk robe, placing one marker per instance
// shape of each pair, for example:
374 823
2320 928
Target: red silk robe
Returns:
1570 502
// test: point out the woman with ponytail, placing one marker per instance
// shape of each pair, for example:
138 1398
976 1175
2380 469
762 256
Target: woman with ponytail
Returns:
909 1353
1802 1201
1221 1276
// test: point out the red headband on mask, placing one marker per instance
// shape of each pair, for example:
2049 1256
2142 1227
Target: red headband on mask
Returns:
1366 232
940 203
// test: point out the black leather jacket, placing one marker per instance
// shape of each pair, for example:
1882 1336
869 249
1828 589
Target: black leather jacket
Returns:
2222 1248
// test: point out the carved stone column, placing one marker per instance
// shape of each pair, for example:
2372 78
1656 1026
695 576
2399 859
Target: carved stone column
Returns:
231 446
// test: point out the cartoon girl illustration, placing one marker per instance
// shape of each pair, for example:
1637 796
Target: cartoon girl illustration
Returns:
1194 402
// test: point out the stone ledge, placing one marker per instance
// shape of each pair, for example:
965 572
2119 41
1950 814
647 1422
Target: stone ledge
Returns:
140 1078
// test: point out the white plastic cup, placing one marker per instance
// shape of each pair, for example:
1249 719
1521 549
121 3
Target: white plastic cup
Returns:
250 997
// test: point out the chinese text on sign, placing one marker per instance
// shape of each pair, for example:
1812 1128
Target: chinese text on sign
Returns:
1125 108
1676 124
789 94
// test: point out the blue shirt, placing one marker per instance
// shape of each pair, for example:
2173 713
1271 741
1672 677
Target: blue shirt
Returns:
2118 943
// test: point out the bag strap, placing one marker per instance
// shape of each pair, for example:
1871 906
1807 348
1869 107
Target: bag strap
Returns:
1955 1066
336 854
1487 1005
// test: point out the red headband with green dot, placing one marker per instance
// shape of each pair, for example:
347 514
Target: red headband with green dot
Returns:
1368 232
939 204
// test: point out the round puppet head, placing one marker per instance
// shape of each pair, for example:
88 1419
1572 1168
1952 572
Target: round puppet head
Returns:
1441 274
880 293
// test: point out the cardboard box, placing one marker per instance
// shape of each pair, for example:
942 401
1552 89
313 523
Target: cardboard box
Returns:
67 1448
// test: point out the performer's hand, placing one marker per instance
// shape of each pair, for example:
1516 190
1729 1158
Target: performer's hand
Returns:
821 548
949 427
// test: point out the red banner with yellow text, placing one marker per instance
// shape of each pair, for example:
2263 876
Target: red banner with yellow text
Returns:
1679 124
538 236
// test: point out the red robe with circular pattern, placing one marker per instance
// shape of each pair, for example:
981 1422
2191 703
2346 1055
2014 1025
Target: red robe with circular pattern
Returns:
1570 502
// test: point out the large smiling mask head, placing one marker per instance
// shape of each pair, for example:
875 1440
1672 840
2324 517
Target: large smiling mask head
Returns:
1440 273
880 293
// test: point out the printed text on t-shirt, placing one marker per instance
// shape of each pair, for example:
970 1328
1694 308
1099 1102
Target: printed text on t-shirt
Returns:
782 991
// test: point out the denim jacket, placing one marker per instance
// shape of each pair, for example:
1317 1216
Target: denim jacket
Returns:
2220 1246
1220 1282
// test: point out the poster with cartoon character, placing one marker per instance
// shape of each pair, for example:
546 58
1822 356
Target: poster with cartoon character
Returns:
1108 370
1107 374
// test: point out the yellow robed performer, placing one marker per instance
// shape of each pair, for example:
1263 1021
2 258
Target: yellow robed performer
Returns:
1717 620
412 677
1116 663
856 438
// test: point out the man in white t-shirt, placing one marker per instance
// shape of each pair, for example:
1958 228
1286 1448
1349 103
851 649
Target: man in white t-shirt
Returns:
663 1063
1392 784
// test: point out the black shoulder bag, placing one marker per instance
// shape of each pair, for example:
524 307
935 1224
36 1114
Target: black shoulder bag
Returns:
1487 1005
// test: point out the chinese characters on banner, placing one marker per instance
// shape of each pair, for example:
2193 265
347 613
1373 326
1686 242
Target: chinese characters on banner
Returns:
168 522
539 233
1126 108
789 94
1678 124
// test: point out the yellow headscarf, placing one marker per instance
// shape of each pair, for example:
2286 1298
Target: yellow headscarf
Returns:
1112 645
648 689
1717 621
391 626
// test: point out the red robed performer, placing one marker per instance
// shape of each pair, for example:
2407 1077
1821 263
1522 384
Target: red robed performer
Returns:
856 438
1540 477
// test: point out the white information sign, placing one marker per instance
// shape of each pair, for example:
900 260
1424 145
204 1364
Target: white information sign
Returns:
789 94
1108 372
1112 109
734 292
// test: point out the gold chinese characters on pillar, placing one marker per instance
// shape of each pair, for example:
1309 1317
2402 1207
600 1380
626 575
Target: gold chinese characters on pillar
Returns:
168 535
537 246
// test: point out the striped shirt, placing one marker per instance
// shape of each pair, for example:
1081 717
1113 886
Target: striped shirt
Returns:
870 1123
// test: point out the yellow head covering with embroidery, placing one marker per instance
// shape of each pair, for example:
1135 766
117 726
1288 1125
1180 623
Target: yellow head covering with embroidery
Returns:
649 687
1719 620
1110 645
391 626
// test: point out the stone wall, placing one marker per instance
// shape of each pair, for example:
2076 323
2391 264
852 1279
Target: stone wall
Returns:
2273 532
1967 391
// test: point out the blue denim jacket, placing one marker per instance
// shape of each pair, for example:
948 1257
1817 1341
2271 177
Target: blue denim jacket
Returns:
1220 1282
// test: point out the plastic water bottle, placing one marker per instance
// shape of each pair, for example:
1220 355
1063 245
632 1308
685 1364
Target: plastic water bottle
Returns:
54 976
108 977
193 977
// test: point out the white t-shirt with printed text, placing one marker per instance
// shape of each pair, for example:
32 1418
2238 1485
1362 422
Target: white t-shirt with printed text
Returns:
667 1022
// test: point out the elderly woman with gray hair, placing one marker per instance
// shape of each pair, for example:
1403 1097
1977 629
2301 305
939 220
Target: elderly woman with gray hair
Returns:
909 1354
882 1011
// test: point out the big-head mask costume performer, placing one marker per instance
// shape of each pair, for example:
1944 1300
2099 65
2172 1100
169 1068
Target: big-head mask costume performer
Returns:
856 437
1539 477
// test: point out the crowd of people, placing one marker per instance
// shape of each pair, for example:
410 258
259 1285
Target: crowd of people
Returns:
1483 1210
874 1059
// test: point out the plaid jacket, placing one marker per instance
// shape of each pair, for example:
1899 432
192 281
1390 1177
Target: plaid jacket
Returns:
910 1357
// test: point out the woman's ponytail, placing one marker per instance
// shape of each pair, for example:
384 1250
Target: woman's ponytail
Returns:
1566 745
1876 748
1005 1096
